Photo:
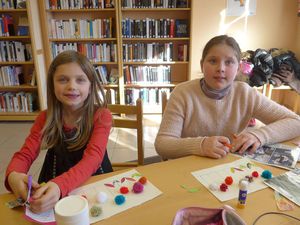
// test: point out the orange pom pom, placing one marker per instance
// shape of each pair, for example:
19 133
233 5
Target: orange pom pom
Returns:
143 180
228 180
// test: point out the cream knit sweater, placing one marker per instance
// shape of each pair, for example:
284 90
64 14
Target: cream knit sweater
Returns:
190 116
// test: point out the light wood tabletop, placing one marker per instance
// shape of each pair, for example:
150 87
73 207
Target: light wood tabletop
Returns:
168 176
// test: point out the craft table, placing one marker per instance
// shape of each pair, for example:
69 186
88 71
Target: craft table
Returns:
168 176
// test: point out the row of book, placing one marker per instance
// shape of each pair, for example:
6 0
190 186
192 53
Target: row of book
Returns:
154 3
154 28
79 4
15 76
17 102
15 51
149 96
105 52
150 52
147 74
13 4
80 28
7 26
11 75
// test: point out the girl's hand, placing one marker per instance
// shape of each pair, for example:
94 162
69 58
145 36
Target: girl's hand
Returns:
18 183
45 197
214 147
245 141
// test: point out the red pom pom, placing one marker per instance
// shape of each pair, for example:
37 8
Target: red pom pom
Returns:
223 187
143 180
255 174
228 180
124 190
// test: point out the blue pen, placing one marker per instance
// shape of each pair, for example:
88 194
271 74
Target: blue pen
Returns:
29 185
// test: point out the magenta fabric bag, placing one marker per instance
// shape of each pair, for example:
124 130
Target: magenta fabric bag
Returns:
207 216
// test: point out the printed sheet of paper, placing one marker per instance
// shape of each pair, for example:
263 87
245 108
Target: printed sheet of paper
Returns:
111 187
237 170
43 218
287 184
278 155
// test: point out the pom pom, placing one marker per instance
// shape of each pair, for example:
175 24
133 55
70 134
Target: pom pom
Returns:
95 211
143 180
228 180
266 174
213 187
101 197
255 174
124 190
223 187
137 187
119 199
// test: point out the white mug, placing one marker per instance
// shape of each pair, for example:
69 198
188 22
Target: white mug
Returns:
72 210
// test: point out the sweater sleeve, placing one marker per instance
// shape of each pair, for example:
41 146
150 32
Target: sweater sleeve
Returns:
281 123
92 157
169 142
22 160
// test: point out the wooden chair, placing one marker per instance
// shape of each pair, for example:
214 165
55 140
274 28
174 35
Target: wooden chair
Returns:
121 120
164 101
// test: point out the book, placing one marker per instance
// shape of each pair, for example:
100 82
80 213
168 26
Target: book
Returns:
181 28
181 4
278 155
287 184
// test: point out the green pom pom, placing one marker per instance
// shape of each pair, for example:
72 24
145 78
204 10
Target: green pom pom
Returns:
95 211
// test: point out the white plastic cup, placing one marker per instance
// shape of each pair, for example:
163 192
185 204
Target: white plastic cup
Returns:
72 210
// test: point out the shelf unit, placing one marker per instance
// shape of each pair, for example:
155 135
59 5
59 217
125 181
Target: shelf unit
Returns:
160 19
13 106
83 17
178 68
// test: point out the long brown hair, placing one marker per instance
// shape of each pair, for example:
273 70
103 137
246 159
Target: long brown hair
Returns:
53 129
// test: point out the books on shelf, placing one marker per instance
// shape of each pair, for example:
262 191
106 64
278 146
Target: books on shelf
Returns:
154 4
148 28
17 102
15 51
7 25
181 28
104 52
147 74
149 96
150 52
79 4
23 26
11 75
182 53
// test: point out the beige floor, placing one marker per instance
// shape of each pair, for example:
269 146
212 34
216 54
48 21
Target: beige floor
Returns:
121 146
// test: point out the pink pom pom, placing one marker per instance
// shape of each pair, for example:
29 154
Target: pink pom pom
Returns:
137 187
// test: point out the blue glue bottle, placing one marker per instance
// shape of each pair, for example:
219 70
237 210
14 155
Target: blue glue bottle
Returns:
243 185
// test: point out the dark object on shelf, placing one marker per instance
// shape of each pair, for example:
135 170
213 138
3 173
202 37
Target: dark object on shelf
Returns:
263 67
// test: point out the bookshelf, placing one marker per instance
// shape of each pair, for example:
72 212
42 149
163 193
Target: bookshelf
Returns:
89 27
21 62
145 63
155 42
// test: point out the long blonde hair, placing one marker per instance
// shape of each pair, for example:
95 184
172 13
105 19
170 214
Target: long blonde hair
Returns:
53 130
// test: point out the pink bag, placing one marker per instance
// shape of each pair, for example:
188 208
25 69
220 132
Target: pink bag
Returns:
206 216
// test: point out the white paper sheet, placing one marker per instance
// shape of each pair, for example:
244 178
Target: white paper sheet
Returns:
237 170
110 208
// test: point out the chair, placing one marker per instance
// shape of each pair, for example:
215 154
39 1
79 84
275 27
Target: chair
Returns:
164 101
121 120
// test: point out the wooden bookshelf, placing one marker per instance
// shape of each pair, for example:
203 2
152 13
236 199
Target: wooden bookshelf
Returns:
157 21
15 89
178 68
